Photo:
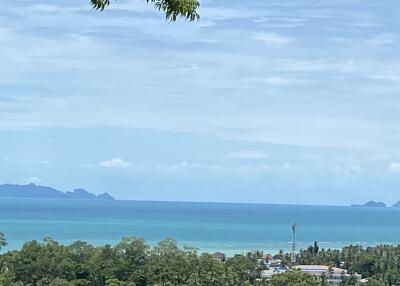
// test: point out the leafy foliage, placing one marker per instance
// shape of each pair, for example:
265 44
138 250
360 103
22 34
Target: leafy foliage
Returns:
130 263
133 263
293 278
173 9
100 4
381 263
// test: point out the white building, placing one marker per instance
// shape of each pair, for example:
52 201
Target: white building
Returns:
267 274
333 275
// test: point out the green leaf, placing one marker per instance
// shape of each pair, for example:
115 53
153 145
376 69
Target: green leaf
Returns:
173 9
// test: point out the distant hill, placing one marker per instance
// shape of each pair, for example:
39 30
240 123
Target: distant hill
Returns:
375 204
396 205
372 204
43 192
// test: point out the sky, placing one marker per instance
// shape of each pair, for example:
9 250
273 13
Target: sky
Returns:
263 101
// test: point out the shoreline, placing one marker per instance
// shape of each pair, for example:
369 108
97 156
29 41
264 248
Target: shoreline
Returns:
228 251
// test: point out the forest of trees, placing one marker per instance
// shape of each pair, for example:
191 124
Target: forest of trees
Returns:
380 263
132 263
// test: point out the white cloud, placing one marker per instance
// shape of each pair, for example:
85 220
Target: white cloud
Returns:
248 155
185 168
394 167
34 180
225 13
44 8
384 39
6 34
387 77
222 105
319 65
271 39
278 81
115 163
248 171
346 170
178 167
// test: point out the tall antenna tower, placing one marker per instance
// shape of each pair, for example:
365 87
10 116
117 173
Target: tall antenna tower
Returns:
293 256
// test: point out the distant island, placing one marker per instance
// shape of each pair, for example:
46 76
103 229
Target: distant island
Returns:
43 192
373 204
396 205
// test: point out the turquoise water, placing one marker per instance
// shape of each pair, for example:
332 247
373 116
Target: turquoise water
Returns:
208 226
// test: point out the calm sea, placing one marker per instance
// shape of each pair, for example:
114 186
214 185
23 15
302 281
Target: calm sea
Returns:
208 226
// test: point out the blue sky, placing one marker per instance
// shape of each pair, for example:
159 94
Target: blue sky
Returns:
260 101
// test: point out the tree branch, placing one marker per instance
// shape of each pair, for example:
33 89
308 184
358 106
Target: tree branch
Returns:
173 9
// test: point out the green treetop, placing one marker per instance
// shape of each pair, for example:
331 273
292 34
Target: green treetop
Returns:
173 9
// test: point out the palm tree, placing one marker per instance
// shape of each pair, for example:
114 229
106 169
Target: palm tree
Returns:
3 241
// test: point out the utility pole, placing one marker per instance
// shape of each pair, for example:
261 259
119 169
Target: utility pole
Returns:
293 256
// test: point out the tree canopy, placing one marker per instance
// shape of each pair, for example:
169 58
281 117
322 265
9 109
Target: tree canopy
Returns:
133 263
173 9
295 278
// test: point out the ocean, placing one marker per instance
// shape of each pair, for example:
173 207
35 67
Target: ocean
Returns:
230 228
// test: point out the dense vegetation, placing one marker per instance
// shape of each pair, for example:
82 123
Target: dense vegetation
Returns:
132 263
381 263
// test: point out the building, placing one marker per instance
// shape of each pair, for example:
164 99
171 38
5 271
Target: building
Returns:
268 257
271 261
333 275
219 256
274 263
267 274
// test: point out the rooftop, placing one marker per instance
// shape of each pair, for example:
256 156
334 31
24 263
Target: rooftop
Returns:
320 268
